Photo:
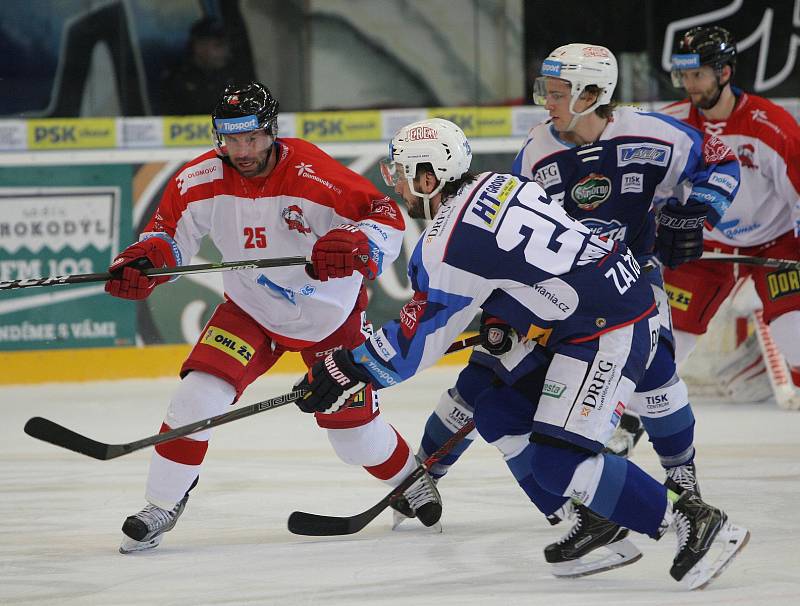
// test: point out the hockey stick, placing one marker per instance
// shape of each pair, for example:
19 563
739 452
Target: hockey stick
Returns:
315 525
165 271
747 260
58 435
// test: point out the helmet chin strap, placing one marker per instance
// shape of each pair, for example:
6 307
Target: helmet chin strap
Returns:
426 198
576 115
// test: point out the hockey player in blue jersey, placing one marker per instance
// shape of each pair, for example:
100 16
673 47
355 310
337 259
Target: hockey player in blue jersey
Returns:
606 167
499 244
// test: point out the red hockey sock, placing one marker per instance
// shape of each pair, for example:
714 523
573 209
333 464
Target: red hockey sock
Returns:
396 462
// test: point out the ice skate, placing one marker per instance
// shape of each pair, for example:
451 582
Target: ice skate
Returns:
707 541
576 555
145 529
626 436
421 501
682 478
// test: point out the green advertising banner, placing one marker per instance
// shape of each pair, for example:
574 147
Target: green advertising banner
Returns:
71 222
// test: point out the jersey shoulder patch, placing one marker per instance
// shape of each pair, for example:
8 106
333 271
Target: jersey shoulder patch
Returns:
203 169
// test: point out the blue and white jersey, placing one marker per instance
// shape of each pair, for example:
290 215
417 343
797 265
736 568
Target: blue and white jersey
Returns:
501 245
611 185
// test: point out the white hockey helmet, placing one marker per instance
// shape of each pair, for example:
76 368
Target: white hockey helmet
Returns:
435 141
581 65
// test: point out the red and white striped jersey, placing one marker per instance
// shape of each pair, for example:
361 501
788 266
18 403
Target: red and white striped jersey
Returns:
307 194
766 139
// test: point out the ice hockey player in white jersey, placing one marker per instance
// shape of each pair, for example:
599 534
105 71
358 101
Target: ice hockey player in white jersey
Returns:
605 166
764 220
500 244
259 195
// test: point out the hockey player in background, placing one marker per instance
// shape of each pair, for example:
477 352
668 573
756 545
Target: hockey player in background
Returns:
764 220
500 244
604 166
256 194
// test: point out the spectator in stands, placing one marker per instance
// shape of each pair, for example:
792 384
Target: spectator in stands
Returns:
192 86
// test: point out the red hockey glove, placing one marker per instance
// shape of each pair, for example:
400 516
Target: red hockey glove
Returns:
331 382
497 336
128 281
340 252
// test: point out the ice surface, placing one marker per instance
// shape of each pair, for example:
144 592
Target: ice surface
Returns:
60 513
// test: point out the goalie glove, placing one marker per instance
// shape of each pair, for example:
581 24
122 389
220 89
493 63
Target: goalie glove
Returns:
498 337
331 382
340 252
679 236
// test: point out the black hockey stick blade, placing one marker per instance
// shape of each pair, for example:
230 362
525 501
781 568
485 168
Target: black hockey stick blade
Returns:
316 525
58 435
48 431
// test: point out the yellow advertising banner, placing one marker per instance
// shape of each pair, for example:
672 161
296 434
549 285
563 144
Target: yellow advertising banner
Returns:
187 131
340 126
477 121
72 133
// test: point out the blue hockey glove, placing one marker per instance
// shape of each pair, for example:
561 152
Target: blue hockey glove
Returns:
498 336
331 382
679 234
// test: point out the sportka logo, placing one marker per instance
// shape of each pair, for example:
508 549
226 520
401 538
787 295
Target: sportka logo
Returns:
591 191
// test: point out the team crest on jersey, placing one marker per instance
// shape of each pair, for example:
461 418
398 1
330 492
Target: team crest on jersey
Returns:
591 191
613 230
746 155
643 153
548 175
384 208
293 216
715 150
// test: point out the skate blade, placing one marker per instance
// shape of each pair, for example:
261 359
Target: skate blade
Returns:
398 519
132 545
615 555
727 544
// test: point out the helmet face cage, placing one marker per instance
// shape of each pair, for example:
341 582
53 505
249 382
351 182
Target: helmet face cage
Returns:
243 108
713 46
580 65
437 142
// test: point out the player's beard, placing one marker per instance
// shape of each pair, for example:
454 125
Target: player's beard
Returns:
259 164
707 99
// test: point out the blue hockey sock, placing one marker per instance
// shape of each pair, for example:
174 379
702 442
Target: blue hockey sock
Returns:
455 408
628 496
609 485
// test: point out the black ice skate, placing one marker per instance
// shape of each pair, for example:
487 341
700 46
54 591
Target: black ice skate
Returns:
575 555
682 478
625 436
145 529
421 501
707 541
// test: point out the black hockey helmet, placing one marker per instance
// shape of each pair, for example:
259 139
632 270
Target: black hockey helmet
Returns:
704 45
244 107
